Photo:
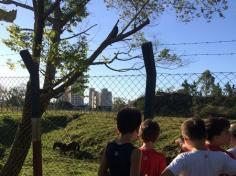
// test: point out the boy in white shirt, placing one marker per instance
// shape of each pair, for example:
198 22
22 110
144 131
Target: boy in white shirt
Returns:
232 131
200 161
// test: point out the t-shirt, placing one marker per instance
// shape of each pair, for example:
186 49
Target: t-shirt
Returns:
216 148
213 148
202 163
233 151
119 158
152 162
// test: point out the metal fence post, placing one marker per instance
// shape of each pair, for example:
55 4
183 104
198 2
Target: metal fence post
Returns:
150 67
33 68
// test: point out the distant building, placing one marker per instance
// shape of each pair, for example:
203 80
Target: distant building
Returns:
77 100
100 100
93 98
72 97
66 96
105 100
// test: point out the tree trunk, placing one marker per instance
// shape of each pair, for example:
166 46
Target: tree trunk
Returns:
150 67
22 141
23 137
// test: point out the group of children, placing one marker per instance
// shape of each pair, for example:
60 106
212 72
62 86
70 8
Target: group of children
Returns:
202 152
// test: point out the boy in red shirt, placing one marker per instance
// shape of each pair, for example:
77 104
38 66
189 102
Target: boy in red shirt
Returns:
152 162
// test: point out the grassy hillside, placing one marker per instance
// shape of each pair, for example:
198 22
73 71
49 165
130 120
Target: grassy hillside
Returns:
92 131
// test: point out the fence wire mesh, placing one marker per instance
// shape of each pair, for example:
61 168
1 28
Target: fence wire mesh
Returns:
87 117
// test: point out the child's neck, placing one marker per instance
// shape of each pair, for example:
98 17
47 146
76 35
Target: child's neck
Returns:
213 142
125 138
199 146
148 145
233 143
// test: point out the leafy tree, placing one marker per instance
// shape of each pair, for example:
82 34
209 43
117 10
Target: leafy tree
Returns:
186 87
193 89
229 90
206 82
118 104
190 89
15 96
1 92
216 90
8 16
52 45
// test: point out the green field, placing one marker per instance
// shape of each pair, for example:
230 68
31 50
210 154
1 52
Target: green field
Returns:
91 130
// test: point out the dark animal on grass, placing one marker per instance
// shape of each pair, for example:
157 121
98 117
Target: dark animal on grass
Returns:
71 147
74 147
61 146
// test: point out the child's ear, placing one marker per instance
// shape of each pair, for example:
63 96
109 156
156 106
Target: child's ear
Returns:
117 131
186 139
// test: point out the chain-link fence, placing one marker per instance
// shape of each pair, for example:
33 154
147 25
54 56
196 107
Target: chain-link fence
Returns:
84 120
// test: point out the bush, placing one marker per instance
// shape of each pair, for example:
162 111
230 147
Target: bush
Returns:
218 111
63 105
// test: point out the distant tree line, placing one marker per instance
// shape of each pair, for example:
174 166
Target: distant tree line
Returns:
13 96
201 97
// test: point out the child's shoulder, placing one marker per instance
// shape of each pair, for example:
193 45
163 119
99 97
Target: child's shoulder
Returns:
153 152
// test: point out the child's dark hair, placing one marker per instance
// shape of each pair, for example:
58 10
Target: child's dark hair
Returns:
128 120
215 126
149 131
194 129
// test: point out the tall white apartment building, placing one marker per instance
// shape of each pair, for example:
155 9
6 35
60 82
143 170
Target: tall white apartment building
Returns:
93 98
72 97
66 96
106 98
100 100
77 100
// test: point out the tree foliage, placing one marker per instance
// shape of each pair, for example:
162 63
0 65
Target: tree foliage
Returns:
118 104
186 10
7 16
62 52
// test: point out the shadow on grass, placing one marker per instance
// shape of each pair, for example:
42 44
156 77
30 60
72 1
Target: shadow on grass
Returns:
51 123
8 127
54 122
81 155
84 155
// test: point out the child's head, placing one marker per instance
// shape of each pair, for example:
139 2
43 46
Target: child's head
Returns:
232 131
218 130
149 131
193 129
128 120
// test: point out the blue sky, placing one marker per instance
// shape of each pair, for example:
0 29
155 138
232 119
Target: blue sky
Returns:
167 30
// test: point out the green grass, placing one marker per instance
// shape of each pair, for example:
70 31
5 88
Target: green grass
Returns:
92 131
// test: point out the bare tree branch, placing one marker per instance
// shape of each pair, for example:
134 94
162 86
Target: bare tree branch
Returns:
127 34
131 58
124 69
118 38
83 32
98 51
114 31
106 61
18 4
61 80
26 29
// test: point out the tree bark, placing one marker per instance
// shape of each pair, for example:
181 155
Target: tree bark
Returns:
22 141
149 63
